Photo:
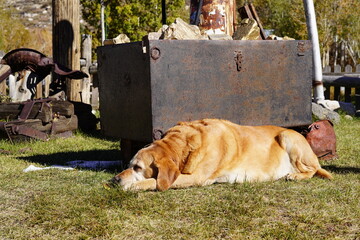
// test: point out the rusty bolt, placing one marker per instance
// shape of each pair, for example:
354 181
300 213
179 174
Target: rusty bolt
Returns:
155 53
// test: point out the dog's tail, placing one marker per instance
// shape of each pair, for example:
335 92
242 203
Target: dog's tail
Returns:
323 173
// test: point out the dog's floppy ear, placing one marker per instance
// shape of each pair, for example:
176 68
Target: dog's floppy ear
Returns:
167 173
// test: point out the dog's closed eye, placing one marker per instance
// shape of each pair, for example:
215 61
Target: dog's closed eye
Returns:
137 168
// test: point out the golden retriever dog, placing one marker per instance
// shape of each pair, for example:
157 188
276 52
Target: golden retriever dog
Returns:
208 151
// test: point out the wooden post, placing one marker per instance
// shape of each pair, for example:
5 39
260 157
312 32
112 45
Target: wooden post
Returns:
327 69
348 69
357 91
86 55
47 86
337 69
39 90
66 41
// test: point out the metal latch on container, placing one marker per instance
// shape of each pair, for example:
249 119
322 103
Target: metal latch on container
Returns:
238 60
301 48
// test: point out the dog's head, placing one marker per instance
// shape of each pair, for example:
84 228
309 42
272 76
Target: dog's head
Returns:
149 162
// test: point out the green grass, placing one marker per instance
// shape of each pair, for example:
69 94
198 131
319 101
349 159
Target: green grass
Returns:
56 204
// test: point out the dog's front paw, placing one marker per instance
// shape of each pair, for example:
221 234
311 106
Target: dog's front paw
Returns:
291 177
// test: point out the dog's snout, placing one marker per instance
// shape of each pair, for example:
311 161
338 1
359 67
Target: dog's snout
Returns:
116 179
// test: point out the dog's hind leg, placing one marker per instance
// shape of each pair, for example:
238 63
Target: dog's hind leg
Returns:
299 176
301 156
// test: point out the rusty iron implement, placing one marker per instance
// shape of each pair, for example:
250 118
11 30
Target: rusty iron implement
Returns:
36 62
17 127
11 129
147 87
41 128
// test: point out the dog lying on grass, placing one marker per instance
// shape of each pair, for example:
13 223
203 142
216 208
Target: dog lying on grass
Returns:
208 151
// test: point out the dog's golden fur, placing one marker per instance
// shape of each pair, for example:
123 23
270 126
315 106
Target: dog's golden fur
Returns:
207 151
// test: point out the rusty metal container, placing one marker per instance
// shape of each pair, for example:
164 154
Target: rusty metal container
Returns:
147 87
215 16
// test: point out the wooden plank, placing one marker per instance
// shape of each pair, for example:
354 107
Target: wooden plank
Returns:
86 54
357 98
327 69
39 89
348 69
60 125
343 81
256 17
337 69
357 90
64 108
11 111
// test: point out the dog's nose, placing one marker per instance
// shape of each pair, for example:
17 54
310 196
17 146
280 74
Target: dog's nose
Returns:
116 179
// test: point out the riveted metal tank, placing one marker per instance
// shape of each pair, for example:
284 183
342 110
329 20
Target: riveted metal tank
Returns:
147 87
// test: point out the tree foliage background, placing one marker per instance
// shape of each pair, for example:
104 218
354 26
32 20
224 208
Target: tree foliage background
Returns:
337 20
135 18
13 33
338 23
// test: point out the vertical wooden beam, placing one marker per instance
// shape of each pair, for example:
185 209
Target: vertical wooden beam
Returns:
66 41
337 69
86 55
327 69
39 90
357 91
348 69
47 86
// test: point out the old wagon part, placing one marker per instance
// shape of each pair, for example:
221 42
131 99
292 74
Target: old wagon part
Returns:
11 128
20 127
28 106
5 71
36 62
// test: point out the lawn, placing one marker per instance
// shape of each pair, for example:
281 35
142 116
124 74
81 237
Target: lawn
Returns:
59 204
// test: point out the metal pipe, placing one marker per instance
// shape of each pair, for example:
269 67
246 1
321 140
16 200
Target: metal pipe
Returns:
163 12
102 20
314 37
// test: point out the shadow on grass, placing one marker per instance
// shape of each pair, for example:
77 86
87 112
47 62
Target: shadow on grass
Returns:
62 158
341 170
